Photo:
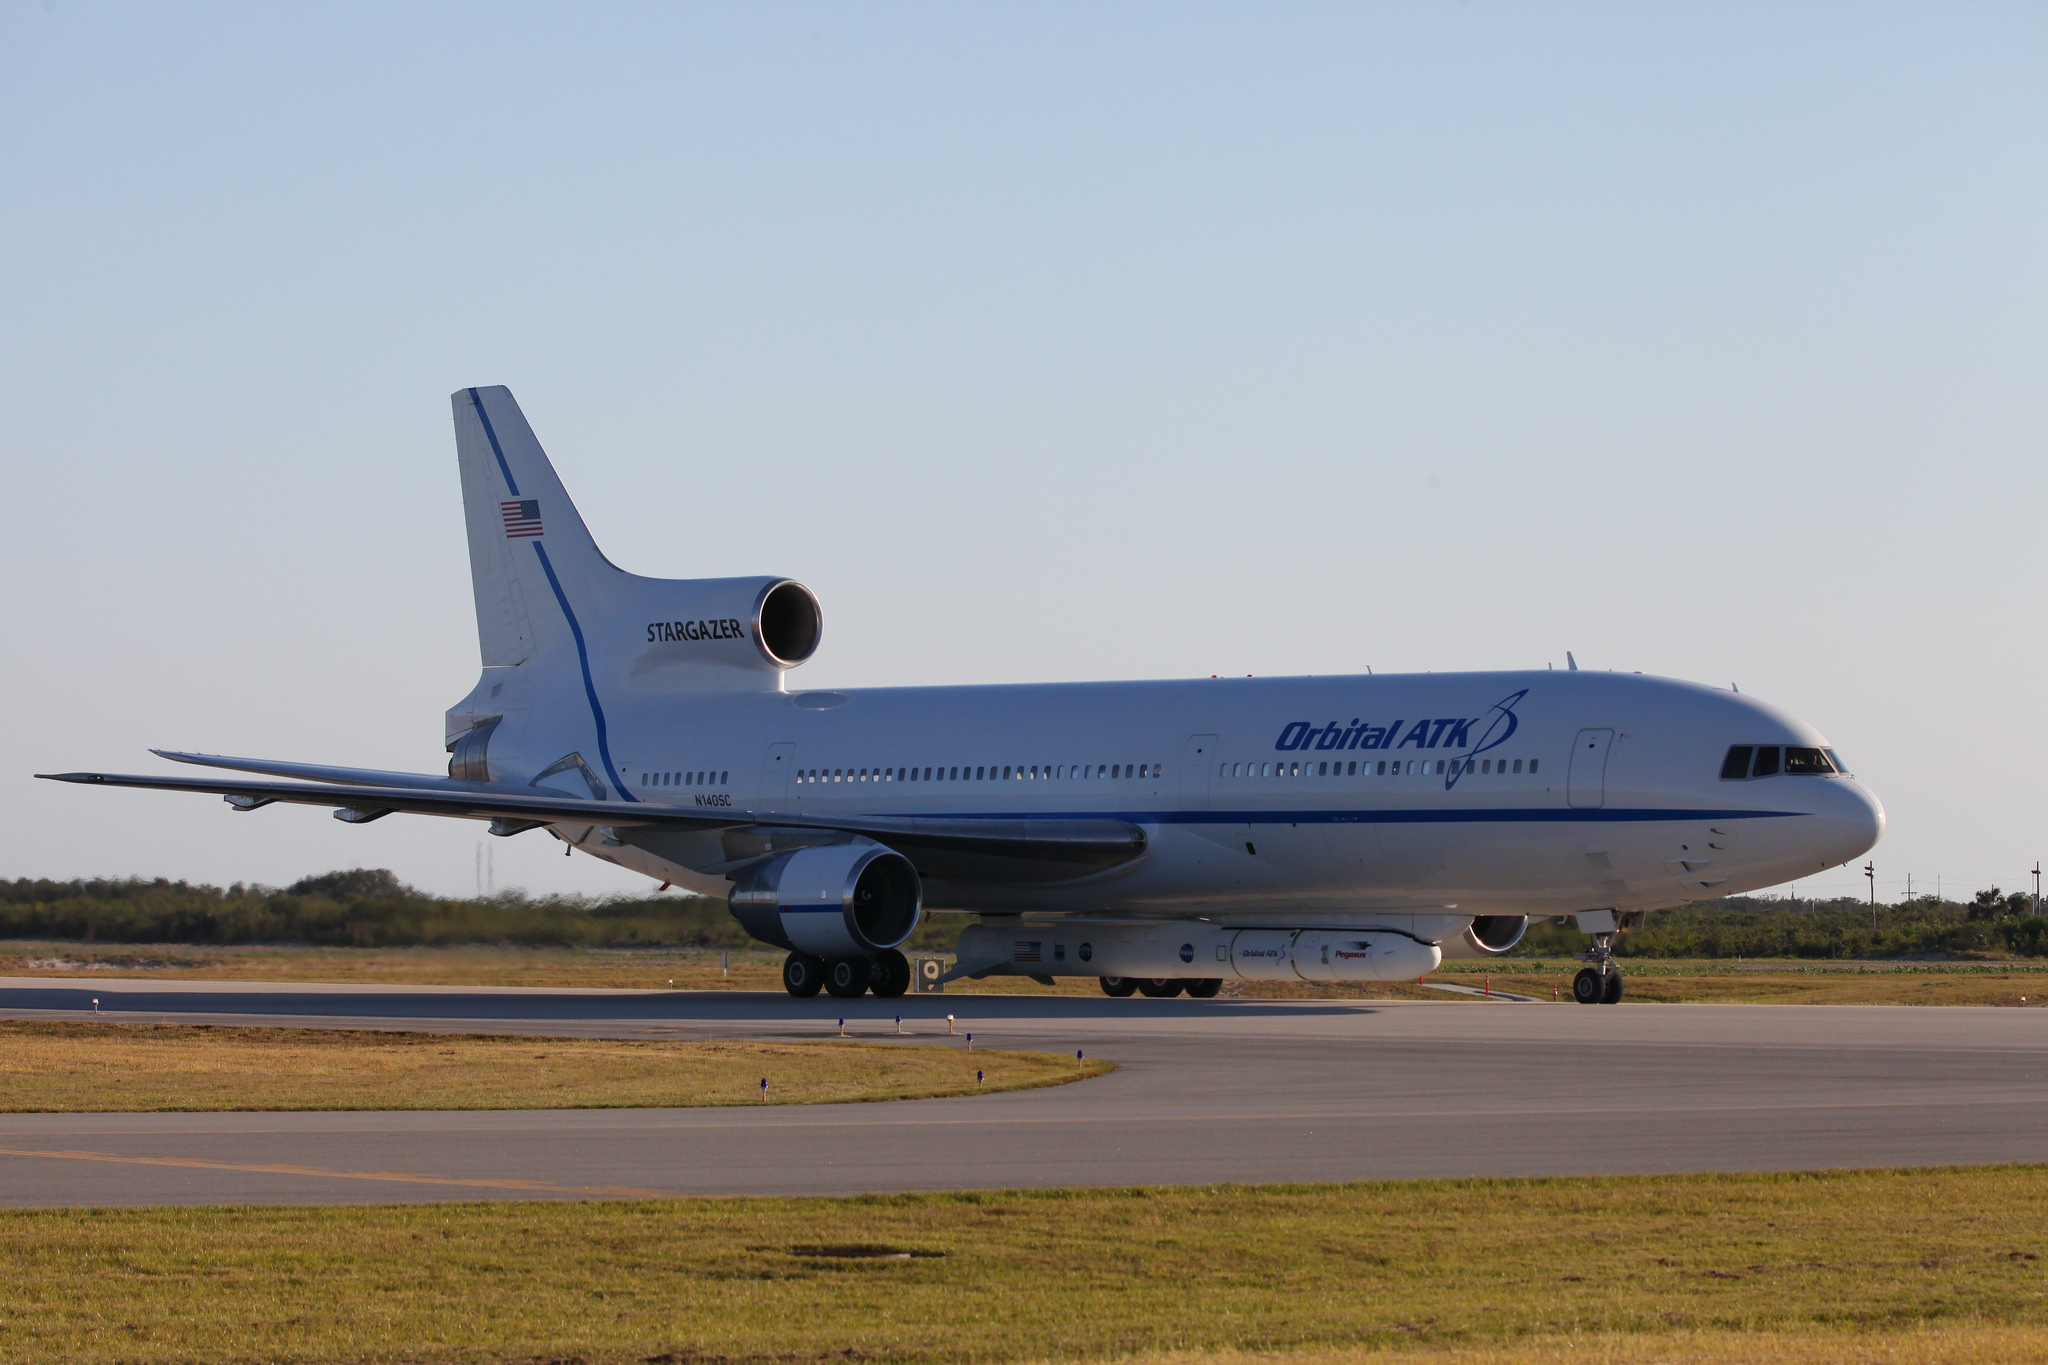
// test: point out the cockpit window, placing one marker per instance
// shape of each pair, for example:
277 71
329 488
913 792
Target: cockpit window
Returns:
1836 758
1768 760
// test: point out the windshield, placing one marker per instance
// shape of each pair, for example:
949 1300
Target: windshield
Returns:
1768 760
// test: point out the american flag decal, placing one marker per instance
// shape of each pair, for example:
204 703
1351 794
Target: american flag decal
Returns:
522 519
1026 951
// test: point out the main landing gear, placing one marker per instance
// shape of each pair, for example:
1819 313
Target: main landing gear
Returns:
887 974
1599 984
1162 988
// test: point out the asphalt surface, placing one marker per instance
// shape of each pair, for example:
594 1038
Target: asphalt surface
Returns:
1206 1091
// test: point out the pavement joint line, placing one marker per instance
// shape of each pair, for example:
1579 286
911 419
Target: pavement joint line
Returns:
399 1177
708 1124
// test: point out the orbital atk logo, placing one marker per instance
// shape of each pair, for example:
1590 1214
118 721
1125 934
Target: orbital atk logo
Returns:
1451 735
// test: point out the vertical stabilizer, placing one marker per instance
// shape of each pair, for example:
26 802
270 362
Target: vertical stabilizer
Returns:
567 637
511 499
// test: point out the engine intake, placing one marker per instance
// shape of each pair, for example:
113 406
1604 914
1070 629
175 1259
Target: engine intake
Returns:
788 623
1492 934
839 900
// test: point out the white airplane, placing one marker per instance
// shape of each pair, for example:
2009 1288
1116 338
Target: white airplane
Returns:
1162 836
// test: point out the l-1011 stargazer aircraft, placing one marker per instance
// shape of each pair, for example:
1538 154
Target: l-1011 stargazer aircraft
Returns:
1162 836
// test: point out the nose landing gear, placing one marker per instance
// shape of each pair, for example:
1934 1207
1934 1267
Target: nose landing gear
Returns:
1599 984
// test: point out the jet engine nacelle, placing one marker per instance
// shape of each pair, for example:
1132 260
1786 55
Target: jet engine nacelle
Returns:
1488 936
839 900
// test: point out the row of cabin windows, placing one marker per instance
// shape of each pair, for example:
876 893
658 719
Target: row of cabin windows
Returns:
697 778
1009 772
1384 768
1768 760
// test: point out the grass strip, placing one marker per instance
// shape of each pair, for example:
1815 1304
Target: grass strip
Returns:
1948 1344
1658 980
1711 1267
95 1068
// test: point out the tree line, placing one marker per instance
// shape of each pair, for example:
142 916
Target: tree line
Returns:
371 908
368 908
1994 923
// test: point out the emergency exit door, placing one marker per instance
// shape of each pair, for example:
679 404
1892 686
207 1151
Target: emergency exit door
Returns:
775 777
1197 764
1588 780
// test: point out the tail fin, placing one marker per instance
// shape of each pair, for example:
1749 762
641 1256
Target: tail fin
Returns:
511 496
572 624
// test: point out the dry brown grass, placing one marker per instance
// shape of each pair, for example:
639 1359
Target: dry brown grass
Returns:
1787 983
81 1068
1949 1344
1866 1266
1781 984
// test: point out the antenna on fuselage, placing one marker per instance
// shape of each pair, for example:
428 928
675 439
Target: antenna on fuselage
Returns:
1571 664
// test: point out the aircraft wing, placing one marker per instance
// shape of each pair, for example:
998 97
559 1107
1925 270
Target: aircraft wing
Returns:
976 849
323 772
463 800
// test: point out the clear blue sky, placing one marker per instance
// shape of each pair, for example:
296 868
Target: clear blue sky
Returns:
1045 342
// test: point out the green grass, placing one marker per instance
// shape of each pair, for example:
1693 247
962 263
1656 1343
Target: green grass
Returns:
88 1067
1748 1266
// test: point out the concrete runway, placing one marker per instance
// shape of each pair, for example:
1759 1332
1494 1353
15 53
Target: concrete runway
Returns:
1207 1091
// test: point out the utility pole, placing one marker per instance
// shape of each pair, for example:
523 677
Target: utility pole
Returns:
1870 875
2037 886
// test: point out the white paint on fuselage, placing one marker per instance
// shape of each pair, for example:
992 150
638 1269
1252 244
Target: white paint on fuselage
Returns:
1339 849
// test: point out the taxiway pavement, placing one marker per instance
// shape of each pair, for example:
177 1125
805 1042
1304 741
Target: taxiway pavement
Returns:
1206 1091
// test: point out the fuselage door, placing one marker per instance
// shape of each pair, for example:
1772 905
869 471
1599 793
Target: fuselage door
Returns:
775 777
1197 766
1588 780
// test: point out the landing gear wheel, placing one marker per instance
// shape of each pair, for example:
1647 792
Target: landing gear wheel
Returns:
1118 986
846 978
1612 996
1587 987
802 975
889 974
1161 988
1206 988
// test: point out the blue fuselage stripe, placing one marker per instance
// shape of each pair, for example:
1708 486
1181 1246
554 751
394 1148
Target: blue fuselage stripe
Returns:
604 746
496 450
1511 815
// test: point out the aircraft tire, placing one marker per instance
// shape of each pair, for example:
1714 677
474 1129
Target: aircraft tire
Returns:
1612 995
1161 988
1118 986
1587 987
846 978
802 975
889 974
1205 988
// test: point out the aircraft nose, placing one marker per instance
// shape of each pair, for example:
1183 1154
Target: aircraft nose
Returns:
1852 821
